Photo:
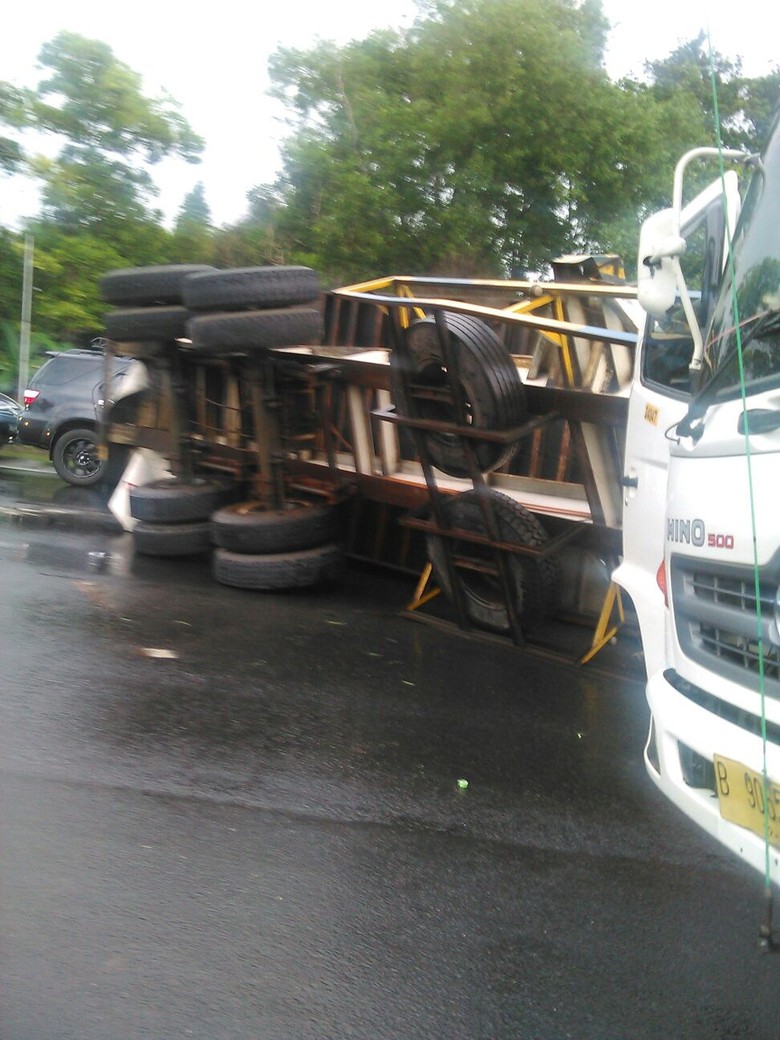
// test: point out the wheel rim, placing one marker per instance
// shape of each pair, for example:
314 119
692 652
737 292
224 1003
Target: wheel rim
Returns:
80 458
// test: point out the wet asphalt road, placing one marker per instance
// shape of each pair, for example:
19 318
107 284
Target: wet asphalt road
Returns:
229 815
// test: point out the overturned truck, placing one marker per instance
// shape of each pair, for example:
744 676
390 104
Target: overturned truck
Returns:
469 431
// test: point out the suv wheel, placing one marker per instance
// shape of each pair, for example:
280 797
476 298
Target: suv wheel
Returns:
76 458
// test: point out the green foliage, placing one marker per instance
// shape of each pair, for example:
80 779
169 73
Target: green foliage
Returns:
40 343
486 139
195 210
95 101
68 266
9 353
456 146
11 266
255 240
12 113
483 140
745 105
193 235
111 132
96 209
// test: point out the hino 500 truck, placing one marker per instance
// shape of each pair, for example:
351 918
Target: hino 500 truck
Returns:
702 504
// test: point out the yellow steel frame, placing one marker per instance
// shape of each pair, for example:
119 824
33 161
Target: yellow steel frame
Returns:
557 330
605 632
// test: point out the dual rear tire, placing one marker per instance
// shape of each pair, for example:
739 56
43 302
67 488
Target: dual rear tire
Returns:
256 548
240 311
271 550
172 516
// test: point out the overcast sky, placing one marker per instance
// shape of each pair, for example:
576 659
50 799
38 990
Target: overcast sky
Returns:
212 59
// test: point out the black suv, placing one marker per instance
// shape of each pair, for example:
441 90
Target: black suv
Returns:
62 407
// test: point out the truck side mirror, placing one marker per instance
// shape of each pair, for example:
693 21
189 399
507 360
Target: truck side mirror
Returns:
659 244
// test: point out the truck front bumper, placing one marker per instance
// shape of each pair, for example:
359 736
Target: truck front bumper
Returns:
685 737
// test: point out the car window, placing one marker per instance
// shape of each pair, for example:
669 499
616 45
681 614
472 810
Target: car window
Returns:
60 370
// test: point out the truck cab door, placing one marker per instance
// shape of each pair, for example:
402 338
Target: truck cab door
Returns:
661 385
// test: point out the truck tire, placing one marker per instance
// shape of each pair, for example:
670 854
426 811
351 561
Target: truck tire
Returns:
148 286
534 581
247 332
177 501
249 527
162 324
275 572
180 539
492 388
251 288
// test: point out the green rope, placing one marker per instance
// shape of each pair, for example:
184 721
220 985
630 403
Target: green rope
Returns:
767 928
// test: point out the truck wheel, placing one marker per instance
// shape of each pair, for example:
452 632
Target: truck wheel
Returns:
272 572
251 287
534 581
491 386
244 332
76 458
184 539
147 286
147 323
175 501
249 527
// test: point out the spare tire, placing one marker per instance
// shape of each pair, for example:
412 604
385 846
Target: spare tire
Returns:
533 580
148 286
492 389
251 287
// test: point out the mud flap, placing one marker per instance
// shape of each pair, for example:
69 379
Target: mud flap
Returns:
144 466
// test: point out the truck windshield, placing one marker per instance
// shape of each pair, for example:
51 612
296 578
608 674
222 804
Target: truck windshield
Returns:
755 286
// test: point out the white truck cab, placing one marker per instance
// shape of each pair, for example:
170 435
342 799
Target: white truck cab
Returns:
702 507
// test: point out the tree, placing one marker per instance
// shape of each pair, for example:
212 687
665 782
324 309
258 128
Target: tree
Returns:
456 145
97 200
745 105
12 113
255 240
112 132
459 145
675 111
193 234
11 261
412 151
68 267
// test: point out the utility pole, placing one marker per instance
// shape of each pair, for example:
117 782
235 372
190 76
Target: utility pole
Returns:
24 332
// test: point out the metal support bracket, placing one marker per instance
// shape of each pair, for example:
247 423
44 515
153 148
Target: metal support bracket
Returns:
420 596
604 632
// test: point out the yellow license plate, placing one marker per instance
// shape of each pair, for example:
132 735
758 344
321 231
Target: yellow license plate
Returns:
742 798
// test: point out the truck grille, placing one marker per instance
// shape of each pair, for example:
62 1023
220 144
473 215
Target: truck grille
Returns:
715 615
